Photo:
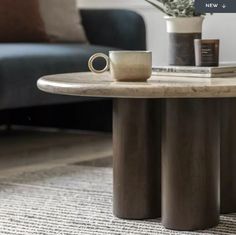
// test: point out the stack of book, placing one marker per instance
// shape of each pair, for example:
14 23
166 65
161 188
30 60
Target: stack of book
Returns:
199 72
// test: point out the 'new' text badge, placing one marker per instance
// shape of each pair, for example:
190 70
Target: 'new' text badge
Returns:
215 6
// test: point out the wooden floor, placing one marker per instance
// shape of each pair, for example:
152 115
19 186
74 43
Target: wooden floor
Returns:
22 147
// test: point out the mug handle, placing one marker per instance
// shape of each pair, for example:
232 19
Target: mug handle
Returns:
95 56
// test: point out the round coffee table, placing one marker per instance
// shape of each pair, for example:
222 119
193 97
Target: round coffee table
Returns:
176 118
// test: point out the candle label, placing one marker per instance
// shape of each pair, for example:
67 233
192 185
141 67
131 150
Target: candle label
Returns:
209 53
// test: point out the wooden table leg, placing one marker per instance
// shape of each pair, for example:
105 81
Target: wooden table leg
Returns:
228 155
137 156
190 164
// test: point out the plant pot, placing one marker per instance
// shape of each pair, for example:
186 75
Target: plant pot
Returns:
182 32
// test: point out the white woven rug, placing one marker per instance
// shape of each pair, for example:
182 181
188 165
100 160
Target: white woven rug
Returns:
72 200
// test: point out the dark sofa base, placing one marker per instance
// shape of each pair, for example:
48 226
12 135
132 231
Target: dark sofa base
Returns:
95 116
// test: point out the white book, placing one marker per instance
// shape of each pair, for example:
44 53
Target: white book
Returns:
192 71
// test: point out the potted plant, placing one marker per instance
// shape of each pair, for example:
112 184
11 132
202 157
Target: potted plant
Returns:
183 26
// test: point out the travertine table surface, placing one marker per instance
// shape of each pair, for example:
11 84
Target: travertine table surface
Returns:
87 84
176 124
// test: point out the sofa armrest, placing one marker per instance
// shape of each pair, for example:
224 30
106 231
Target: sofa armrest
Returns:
115 28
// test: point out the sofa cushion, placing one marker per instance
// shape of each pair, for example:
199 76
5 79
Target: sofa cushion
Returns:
20 21
40 21
62 20
22 64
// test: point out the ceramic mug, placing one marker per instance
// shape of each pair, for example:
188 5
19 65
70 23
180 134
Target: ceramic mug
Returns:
125 65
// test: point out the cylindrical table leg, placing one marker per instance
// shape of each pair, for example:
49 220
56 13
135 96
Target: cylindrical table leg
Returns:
137 156
190 164
228 155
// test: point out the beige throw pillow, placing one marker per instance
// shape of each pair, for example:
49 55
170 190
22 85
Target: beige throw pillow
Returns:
40 21
62 20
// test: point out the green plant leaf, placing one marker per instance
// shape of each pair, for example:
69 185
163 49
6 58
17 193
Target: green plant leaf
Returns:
156 5
177 8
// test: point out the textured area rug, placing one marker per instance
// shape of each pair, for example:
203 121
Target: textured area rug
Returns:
73 199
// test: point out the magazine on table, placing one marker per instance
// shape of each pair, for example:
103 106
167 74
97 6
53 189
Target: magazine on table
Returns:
193 71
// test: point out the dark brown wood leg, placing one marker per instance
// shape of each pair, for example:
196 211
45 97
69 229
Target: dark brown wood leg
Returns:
228 155
190 164
137 156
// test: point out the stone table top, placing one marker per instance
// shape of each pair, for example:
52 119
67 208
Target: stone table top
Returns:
102 85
